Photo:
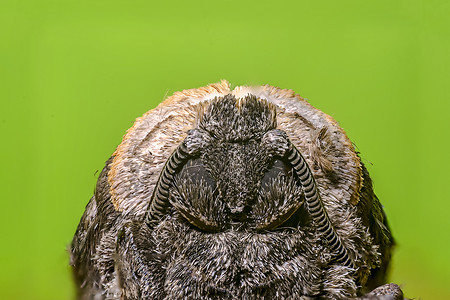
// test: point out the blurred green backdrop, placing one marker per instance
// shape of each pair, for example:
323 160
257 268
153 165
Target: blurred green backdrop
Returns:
75 74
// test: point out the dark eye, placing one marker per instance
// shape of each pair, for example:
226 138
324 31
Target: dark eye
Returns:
279 197
196 171
278 169
193 196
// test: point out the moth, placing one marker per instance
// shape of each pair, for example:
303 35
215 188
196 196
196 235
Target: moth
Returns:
250 193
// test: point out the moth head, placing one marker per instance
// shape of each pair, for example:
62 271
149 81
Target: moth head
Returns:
231 170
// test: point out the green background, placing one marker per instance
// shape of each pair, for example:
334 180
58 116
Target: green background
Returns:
75 74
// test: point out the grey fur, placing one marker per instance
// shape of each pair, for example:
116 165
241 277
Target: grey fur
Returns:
232 222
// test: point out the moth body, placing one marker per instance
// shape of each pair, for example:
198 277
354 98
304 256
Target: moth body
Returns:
249 193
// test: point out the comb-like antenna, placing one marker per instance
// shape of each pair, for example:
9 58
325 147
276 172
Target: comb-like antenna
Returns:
315 205
160 198
195 140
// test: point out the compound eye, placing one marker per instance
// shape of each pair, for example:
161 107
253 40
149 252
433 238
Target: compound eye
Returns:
278 169
196 171
279 197
193 196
